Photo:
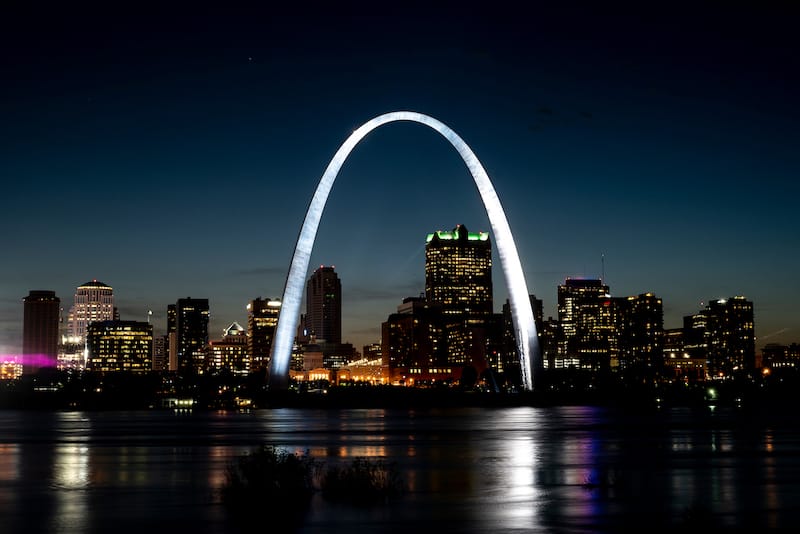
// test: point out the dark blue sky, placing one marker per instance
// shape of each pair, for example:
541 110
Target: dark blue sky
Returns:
172 152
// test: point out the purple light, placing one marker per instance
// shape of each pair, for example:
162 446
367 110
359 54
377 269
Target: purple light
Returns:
35 360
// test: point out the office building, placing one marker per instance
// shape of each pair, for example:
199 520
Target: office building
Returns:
191 334
458 273
640 328
40 330
458 278
323 318
230 353
262 318
731 338
119 346
93 301
587 337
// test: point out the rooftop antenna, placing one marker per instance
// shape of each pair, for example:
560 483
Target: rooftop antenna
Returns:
602 268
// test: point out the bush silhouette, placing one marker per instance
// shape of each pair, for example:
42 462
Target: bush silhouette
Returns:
362 482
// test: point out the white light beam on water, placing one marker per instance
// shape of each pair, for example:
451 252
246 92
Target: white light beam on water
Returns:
521 312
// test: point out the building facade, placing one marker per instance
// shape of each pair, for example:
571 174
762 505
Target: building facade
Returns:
323 318
640 327
587 337
458 273
262 318
119 346
731 337
191 334
40 330
458 278
230 353
93 301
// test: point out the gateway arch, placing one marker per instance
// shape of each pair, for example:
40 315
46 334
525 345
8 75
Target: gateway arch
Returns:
521 312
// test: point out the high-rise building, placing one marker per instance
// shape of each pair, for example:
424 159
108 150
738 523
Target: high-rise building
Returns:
41 317
229 353
171 345
458 273
640 327
262 318
587 337
458 277
93 301
119 346
323 317
731 338
191 334
160 358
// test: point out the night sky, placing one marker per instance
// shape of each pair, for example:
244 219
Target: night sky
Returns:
172 152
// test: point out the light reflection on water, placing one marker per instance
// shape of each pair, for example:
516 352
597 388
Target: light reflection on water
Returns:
467 470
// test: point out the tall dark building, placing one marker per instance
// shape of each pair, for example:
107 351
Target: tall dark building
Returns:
640 327
171 344
191 333
324 305
262 318
41 312
731 338
458 273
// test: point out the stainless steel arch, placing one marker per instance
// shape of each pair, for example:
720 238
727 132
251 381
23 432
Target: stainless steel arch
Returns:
521 312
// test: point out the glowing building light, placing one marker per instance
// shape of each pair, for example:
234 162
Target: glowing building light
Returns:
521 312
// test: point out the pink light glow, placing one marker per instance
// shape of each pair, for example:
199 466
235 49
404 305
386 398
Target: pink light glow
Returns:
35 360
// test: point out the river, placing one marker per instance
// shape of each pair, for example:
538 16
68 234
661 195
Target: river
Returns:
509 469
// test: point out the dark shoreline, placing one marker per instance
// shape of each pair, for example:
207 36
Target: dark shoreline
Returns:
58 390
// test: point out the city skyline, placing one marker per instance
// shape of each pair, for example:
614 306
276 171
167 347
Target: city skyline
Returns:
172 155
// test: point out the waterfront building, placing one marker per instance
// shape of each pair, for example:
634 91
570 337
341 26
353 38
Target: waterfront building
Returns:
413 341
587 337
160 358
458 273
229 353
172 337
776 356
458 277
93 301
119 346
639 324
40 330
731 338
323 317
191 334
262 318
680 359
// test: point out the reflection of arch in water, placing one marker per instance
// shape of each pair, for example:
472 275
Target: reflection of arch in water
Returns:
521 312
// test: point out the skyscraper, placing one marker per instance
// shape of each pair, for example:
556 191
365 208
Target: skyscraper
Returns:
191 334
324 305
262 318
458 273
640 326
587 338
458 277
93 301
731 339
41 311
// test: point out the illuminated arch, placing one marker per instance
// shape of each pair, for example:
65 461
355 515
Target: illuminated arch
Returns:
521 312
